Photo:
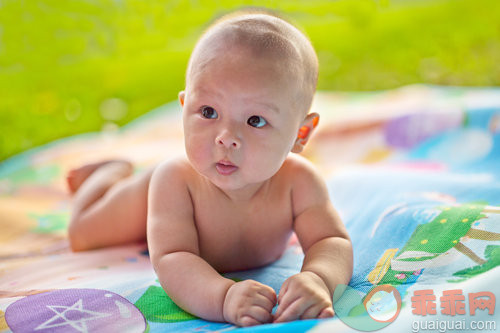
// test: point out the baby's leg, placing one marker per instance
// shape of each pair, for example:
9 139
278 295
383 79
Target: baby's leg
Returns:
110 205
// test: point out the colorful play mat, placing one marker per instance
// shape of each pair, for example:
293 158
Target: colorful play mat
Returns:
414 173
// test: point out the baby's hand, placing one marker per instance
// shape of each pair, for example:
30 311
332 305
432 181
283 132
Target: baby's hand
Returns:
249 303
303 296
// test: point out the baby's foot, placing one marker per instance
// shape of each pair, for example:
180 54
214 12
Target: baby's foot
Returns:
76 177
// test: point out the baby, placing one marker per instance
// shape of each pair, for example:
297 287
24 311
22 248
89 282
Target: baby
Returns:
238 197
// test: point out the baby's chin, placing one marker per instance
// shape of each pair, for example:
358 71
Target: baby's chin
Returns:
237 180
227 183
233 182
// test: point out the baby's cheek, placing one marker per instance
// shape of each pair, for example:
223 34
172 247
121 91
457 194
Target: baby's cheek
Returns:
264 165
200 153
196 150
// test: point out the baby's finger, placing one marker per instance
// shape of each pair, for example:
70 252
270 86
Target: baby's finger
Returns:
264 302
260 314
269 293
282 291
312 312
327 313
247 321
287 299
292 312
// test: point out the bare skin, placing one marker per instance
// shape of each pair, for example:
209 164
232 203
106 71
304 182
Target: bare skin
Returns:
77 176
226 235
233 203
231 235
109 205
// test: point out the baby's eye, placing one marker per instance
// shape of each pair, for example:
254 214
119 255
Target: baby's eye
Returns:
209 112
256 121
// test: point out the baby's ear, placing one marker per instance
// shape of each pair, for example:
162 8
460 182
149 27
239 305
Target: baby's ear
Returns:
181 97
306 129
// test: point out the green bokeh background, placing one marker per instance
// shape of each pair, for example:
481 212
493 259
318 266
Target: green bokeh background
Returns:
75 66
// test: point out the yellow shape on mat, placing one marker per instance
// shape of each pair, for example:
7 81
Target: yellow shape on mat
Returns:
376 155
3 323
382 266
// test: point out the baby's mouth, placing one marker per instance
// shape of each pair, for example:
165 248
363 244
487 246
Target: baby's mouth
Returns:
225 168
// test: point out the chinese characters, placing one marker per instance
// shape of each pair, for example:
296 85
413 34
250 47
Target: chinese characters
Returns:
452 302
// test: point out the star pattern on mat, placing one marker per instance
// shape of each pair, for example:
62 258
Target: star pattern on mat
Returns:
60 319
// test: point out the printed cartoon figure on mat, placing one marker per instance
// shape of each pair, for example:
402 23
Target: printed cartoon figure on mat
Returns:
236 199
462 239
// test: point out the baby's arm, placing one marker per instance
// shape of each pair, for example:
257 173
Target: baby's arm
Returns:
327 247
186 277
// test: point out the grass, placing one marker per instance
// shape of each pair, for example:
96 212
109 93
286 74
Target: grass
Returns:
75 66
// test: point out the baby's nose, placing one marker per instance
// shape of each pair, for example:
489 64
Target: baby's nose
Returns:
228 140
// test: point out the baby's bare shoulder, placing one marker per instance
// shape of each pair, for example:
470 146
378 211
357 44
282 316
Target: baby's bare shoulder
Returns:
308 187
168 189
298 168
175 171
178 166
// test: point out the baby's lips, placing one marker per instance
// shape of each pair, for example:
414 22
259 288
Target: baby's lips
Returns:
225 169
226 162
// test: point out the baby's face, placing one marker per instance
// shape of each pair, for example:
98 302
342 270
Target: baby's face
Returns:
239 119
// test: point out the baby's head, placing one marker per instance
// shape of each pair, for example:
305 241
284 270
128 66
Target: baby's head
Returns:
249 86
261 37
